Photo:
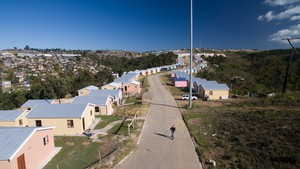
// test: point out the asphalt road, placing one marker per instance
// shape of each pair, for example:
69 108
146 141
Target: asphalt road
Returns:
156 150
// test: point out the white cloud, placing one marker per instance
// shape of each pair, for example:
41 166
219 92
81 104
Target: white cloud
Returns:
280 2
295 18
292 32
292 13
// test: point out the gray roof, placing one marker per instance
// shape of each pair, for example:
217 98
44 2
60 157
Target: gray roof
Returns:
57 111
13 138
33 103
127 77
10 115
199 81
115 92
97 100
91 87
213 85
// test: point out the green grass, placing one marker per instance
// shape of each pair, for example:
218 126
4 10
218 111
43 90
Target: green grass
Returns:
132 100
105 120
247 138
74 155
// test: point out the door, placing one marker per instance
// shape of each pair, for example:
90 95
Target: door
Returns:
21 162
83 124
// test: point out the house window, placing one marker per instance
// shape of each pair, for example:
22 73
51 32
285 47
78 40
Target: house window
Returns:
28 108
70 123
46 140
91 112
210 92
20 122
38 123
97 109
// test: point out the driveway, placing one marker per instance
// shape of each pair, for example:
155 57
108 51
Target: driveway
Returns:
156 150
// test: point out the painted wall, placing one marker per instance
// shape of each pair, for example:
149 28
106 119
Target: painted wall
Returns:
61 124
83 92
16 122
34 151
180 83
214 94
131 88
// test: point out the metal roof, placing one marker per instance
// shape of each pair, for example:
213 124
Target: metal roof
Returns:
33 103
213 85
101 92
12 139
199 81
10 115
91 87
97 100
57 111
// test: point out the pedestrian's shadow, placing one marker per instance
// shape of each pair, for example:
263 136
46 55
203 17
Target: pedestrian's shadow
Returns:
163 135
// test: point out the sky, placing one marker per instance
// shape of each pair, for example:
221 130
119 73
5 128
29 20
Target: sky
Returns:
148 25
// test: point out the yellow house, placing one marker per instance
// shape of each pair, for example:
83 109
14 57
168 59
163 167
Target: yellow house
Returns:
68 119
102 104
211 90
85 91
31 103
112 86
13 118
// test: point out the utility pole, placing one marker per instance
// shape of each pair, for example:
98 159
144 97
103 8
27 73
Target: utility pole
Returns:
283 91
191 56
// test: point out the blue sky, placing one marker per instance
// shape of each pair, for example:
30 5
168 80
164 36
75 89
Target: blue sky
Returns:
146 25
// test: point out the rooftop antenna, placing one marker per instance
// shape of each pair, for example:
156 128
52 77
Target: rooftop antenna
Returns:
283 91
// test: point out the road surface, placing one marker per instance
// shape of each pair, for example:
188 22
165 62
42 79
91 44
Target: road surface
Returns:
156 150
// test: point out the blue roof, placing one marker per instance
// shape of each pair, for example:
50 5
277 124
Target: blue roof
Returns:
127 77
12 138
97 100
199 81
91 87
57 111
10 115
213 85
33 103
101 92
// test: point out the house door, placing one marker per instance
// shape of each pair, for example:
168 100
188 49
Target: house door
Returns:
83 124
21 162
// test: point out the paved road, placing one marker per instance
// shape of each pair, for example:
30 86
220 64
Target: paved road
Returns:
156 150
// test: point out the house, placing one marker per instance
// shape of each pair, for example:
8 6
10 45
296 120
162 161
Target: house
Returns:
103 104
112 86
25 147
85 91
68 119
179 82
13 117
116 94
131 88
213 90
30 104
196 84
6 84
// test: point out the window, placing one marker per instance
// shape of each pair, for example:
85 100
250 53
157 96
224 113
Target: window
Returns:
70 123
20 122
97 109
91 112
210 92
38 123
46 140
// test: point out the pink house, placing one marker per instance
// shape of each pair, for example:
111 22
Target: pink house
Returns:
131 88
25 147
180 82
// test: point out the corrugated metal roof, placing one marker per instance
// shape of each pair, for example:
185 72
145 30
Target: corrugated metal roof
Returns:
97 100
57 111
33 103
115 92
199 81
91 87
10 115
13 138
213 85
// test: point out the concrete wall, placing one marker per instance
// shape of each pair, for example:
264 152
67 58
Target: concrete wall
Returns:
83 92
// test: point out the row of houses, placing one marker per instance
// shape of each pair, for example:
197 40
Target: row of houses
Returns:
26 139
206 89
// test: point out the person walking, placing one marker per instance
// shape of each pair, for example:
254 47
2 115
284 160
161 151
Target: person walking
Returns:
172 131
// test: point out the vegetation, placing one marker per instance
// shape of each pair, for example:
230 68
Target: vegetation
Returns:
256 73
246 133
105 120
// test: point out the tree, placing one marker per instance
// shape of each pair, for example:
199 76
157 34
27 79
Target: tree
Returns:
27 47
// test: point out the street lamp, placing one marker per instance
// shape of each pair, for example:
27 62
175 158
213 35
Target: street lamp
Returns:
191 55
